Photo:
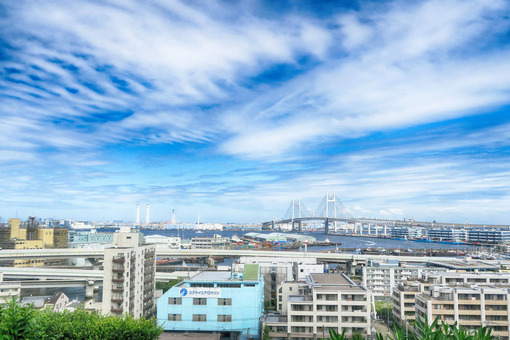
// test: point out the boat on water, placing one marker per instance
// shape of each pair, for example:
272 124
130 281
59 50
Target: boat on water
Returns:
423 240
199 232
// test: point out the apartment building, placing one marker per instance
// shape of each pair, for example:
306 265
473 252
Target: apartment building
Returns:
381 277
129 276
229 303
469 306
403 299
403 295
323 301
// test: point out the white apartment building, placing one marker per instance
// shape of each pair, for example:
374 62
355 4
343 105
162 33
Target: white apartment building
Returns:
403 295
129 276
381 278
310 308
468 306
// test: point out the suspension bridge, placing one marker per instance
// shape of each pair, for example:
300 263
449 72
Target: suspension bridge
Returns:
329 211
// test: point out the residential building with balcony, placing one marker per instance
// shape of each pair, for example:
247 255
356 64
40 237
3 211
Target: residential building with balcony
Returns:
380 277
229 303
403 301
447 234
322 302
129 276
469 306
489 236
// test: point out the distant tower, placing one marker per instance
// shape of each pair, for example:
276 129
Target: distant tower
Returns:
173 216
138 214
198 219
147 207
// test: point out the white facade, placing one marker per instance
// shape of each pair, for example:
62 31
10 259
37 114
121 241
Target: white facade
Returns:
280 269
309 309
380 280
164 242
129 276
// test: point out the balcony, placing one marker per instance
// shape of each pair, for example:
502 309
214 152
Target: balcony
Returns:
119 260
117 310
117 300
118 289
118 280
118 270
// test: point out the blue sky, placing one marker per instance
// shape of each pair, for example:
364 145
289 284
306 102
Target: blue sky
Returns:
227 110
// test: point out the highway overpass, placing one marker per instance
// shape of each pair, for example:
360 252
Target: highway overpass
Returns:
185 253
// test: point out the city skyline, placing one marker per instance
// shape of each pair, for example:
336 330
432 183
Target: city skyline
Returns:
228 111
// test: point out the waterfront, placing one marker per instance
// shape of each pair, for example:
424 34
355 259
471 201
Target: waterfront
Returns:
347 241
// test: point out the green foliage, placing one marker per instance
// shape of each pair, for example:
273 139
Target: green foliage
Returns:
424 331
24 322
167 285
265 333
18 322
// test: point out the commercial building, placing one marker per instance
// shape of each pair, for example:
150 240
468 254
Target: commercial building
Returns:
381 277
489 236
204 242
323 301
129 276
469 306
407 233
278 270
230 303
447 234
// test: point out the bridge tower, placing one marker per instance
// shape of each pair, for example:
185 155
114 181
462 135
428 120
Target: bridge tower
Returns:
296 210
331 207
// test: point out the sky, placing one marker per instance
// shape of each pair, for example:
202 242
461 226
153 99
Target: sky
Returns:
229 109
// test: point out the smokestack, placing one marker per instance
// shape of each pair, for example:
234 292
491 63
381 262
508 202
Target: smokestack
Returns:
147 207
137 214
173 216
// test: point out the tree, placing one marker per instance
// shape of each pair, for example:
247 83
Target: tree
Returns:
25 322
265 335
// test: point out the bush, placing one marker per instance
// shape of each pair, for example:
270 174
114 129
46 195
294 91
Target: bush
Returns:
24 322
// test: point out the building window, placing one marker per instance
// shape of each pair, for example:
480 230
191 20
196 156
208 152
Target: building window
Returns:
200 301
225 302
224 318
174 317
175 301
199 317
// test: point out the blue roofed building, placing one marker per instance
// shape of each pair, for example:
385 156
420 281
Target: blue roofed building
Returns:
221 302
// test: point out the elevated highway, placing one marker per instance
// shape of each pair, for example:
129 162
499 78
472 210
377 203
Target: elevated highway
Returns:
185 253
67 275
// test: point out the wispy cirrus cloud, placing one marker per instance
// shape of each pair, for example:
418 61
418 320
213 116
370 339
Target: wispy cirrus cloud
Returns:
399 105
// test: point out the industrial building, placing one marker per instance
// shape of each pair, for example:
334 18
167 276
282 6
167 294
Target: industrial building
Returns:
30 235
281 237
129 276
308 309
230 303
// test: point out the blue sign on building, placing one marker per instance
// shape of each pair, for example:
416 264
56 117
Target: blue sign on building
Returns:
221 302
